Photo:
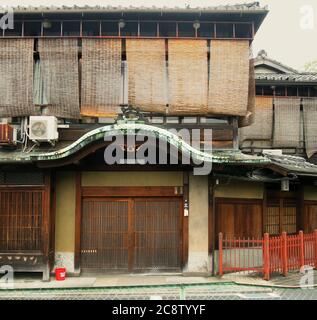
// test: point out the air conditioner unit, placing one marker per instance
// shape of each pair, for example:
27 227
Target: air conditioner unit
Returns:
43 128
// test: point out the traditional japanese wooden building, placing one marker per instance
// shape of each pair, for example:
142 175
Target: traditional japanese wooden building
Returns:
71 77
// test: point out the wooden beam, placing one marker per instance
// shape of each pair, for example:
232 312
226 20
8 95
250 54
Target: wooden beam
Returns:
131 191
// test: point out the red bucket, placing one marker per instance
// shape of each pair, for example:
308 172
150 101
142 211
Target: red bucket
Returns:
60 274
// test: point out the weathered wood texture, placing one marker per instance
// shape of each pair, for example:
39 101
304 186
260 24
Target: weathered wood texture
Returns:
16 78
147 74
188 76
229 77
59 68
239 217
131 234
101 77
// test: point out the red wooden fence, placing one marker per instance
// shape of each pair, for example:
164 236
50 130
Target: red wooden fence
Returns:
267 255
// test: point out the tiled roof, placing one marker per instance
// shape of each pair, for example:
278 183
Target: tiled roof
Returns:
290 77
263 59
249 7
293 164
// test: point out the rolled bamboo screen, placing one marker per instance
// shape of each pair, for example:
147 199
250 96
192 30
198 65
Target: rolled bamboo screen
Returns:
16 78
229 77
249 118
59 68
101 77
286 122
262 127
188 76
147 74
310 125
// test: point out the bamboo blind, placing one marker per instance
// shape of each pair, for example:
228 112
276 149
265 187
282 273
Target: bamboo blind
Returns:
286 122
101 77
188 76
59 68
147 74
310 125
228 77
249 118
262 127
16 78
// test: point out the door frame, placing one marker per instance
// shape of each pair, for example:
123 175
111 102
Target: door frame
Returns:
126 192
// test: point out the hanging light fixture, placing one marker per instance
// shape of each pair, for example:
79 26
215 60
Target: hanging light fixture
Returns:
47 24
196 25
121 24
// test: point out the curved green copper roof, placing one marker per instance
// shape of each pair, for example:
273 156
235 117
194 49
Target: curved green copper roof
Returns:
132 128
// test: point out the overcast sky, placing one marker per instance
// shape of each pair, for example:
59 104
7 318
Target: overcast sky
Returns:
282 34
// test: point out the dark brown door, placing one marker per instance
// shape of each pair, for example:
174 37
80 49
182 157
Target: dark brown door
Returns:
131 234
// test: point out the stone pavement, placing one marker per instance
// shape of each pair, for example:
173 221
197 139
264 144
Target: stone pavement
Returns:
212 291
237 286
27 281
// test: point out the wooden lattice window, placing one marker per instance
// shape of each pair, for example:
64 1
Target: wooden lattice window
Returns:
280 215
21 215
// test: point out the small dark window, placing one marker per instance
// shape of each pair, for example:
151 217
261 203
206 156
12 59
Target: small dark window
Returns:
243 30
32 28
110 28
303 91
259 91
148 29
313 92
167 29
15 32
91 28
280 91
267 91
186 30
292 91
71 28
206 30
130 29
224 30
52 28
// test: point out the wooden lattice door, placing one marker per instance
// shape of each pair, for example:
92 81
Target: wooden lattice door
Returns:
131 235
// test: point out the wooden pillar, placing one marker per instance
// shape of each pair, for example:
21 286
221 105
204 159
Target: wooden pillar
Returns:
78 209
46 225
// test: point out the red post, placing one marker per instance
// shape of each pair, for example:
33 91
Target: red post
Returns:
266 257
315 248
220 255
284 253
301 249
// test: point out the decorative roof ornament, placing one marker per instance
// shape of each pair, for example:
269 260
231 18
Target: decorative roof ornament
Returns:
130 114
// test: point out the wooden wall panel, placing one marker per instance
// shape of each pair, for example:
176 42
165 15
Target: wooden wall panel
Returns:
309 216
239 218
